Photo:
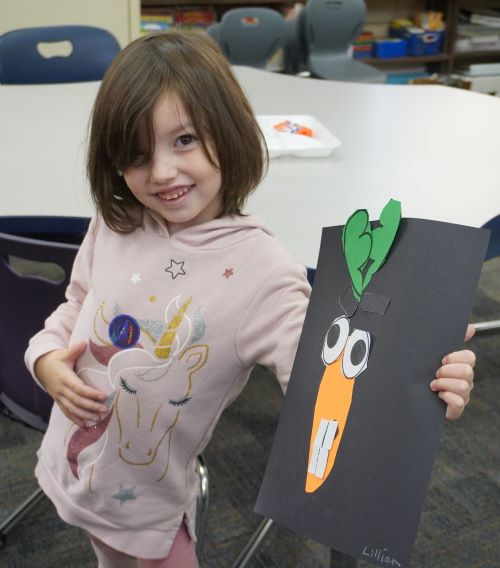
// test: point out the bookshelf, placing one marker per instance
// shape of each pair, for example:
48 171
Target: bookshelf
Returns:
223 3
177 8
381 12
465 56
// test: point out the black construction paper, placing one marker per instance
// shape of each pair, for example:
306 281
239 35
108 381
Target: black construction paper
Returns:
370 504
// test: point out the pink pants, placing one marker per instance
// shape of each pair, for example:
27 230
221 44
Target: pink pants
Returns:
182 553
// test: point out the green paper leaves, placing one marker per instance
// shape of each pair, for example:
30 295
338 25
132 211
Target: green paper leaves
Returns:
365 250
357 242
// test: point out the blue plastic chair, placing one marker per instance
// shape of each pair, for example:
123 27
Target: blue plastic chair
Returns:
492 251
494 244
329 28
93 49
27 297
250 36
214 31
295 44
25 303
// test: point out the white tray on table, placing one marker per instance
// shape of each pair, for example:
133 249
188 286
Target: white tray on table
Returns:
322 142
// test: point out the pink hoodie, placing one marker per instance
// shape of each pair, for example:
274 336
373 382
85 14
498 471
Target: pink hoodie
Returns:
173 326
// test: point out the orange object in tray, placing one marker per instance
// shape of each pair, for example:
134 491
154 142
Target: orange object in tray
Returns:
293 128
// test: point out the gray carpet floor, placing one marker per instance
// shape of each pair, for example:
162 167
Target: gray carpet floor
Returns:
460 524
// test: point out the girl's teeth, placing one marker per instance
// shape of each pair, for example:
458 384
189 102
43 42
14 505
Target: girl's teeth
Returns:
174 195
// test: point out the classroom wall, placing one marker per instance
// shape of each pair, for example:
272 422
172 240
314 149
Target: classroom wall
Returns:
120 17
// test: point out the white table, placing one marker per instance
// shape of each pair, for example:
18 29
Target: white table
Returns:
436 149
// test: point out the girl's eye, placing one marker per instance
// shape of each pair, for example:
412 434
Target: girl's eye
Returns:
139 159
185 140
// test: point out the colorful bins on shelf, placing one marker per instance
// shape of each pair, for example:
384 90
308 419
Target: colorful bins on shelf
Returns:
419 41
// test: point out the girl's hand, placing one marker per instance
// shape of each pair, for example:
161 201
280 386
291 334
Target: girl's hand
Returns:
455 379
77 401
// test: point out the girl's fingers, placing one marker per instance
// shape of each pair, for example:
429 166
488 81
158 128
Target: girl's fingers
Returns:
83 395
83 403
72 353
78 421
455 379
469 334
460 387
84 390
75 420
455 402
78 412
456 371
465 356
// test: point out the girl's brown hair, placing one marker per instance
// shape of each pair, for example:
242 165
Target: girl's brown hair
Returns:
191 66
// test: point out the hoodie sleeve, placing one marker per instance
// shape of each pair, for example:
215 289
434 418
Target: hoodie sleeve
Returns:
59 325
270 329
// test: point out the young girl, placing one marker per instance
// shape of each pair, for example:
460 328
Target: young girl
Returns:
175 295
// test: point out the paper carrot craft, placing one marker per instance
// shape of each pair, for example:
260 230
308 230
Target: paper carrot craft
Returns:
359 427
346 351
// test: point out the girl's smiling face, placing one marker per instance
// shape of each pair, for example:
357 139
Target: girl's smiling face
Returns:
179 182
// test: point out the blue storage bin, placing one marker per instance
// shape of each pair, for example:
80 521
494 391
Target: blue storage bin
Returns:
388 48
420 41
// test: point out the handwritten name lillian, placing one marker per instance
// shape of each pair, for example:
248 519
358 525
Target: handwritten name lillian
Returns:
381 555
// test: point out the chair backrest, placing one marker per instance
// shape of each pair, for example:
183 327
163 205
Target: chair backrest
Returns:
295 44
251 36
91 50
332 25
494 245
30 289
214 31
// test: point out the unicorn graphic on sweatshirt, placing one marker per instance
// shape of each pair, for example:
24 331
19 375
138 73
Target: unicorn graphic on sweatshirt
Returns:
147 391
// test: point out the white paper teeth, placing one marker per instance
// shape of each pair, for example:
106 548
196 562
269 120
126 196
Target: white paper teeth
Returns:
321 448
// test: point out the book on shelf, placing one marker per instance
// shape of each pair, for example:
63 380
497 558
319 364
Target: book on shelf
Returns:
195 16
162 18
481 16
480 69
471 37
155 22
363 45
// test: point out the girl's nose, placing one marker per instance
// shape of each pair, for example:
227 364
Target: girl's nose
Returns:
164 167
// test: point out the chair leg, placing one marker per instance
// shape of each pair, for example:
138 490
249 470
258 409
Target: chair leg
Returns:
253 544
487 326
202 504
15 517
